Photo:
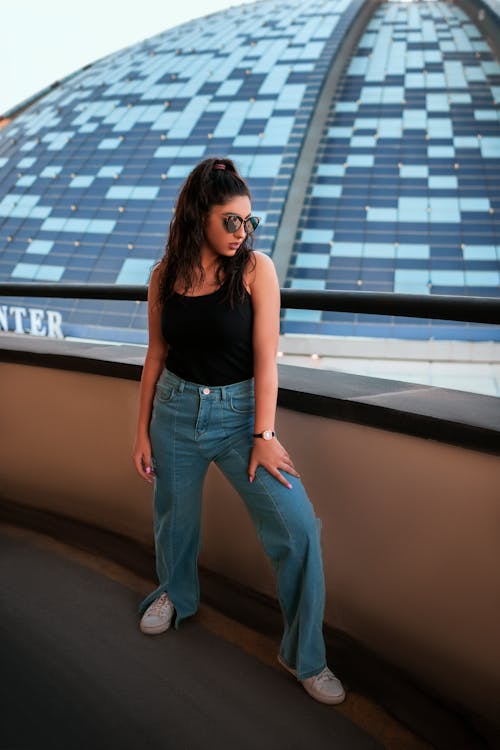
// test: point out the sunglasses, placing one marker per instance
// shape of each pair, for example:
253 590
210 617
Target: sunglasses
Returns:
233 222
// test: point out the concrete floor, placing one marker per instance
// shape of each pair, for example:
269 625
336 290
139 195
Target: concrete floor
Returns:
78 673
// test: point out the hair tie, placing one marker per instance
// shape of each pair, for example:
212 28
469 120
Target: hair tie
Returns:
219 166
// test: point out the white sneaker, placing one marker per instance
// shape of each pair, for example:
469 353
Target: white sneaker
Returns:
323 687
158 616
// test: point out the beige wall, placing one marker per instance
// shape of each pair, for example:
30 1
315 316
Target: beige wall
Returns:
411 528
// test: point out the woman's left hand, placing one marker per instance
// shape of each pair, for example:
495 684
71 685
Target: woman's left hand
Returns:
272 456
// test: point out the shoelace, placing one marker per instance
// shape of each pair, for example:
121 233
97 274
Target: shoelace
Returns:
158 605
325 676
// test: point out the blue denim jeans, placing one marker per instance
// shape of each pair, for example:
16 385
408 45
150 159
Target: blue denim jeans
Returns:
191 426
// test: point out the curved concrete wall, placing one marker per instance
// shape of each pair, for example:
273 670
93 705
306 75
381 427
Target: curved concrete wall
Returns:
411 527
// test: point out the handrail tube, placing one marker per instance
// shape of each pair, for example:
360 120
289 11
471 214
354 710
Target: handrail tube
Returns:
436 306
440 307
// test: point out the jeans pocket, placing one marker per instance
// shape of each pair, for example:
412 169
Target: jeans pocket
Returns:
242 404
164 393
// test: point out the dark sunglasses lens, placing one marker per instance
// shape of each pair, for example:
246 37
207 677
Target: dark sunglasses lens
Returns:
251 224
233 223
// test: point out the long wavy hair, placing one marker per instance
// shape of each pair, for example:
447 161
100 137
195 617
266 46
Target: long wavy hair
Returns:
205 187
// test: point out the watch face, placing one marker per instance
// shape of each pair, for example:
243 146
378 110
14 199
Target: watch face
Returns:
267 434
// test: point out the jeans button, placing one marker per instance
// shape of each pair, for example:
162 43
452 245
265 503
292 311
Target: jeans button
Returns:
206 391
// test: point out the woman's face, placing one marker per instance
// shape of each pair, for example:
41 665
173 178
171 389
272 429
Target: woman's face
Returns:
218 240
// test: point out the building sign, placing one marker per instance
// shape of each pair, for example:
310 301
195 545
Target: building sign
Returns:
31 320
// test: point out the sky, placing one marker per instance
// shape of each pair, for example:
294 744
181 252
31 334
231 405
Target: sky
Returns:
42 41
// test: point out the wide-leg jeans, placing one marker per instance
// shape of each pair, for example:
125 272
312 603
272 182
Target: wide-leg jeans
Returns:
191 426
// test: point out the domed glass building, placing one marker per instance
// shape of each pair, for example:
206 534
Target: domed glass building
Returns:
369 134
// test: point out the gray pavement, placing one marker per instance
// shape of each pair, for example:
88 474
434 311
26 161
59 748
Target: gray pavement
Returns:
78 673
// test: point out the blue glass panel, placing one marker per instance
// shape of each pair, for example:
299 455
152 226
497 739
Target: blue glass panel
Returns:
447 278
490 147
37 272
443 182
109 143
40 247
382 214
360 160
317 235
25 271
474 204
51 171
312 260
378 250
109 171
265 166
413 171
311 284
327 191
347 249
135 271
26 181
444 210
81 181
308 316
440 152
481 252
482 278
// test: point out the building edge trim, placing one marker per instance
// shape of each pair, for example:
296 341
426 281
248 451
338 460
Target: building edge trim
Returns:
483 16
352 25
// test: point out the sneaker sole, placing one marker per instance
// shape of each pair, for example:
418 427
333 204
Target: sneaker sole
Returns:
332 701
154 629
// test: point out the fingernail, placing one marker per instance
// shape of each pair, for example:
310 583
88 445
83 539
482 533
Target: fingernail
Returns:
289 486
250 479
148 470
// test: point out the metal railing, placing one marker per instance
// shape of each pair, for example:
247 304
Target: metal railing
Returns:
436 307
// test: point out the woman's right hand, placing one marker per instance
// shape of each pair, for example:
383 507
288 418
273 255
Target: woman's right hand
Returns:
141 457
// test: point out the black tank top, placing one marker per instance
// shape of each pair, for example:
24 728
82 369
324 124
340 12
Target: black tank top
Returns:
209 341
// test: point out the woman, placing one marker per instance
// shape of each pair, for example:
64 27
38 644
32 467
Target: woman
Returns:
208 393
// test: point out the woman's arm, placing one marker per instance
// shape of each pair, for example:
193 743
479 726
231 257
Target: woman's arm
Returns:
153 366
265 293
